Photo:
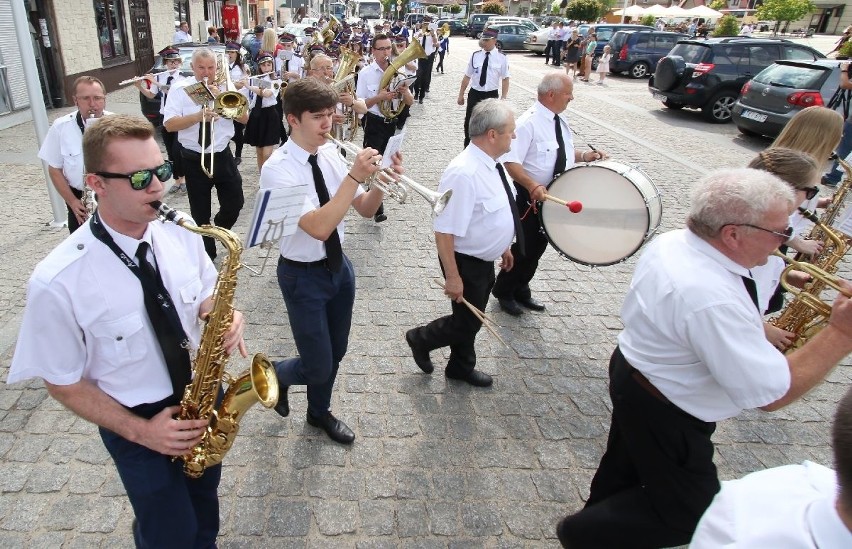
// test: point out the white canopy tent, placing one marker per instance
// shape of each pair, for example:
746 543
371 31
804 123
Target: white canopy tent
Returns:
631 11
656 10
705 12
676 11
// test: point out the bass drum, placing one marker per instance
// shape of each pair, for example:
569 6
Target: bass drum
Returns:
621 211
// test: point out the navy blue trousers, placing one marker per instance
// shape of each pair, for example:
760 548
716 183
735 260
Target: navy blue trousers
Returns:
172 510
319 306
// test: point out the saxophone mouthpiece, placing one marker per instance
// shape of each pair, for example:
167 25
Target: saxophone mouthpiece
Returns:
168 214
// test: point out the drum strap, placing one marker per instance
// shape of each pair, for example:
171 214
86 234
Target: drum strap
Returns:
519 230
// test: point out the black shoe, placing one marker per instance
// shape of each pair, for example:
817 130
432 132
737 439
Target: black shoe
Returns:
828 182
530 303
421 356
475 378
333 427
283 406
510 306
238 161
379 217
420 100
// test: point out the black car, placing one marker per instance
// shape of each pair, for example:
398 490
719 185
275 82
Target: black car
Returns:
769 100
637 53
151 107
477 22
708 74
457 26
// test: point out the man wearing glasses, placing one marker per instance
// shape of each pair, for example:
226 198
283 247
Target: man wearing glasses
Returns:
94 331
693 352
62 149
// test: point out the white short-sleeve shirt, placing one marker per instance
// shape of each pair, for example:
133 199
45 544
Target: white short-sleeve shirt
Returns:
535 147
179 104
369 79
498 69
63 149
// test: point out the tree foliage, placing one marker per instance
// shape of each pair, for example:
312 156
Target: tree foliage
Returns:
584 10
718 5
727 26
648 20
494 6
784 10
432 9
454 9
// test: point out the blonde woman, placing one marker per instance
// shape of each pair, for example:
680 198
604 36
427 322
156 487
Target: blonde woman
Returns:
814 130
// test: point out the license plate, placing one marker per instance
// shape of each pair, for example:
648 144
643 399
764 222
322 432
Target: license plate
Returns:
751 115
659 96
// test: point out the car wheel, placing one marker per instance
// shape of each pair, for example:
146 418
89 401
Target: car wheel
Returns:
669 72
718 109
499 46
640 70
672 105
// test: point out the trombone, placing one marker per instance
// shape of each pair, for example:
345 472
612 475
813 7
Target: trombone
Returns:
398 190
206 167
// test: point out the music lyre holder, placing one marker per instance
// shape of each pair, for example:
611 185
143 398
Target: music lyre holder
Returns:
271 237
841 98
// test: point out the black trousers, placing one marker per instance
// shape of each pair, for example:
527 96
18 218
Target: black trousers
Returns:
72 219
377 133
229 190
458 330
474 97
550 49
515 284
170 140
656 477
557 53
440 66
238 140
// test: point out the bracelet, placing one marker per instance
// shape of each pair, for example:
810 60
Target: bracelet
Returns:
349 175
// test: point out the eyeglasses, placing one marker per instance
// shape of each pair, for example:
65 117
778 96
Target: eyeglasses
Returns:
810 192
382 49
141 179
788 232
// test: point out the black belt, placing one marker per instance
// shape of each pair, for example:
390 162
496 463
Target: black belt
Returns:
474 90
192 155
643 382
381 118
302 264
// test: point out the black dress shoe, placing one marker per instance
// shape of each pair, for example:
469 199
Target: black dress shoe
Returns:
238 161
421 356
333 427
283 406
531 303
420 100
510 306
379 217
475 378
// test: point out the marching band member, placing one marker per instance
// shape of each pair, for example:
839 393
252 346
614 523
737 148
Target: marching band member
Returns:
378 129
263 130
288 64
474 230
184 116
443 48
162 83
62 149
487 70
322 70
410 69
238 74
428 38
692 353
316 278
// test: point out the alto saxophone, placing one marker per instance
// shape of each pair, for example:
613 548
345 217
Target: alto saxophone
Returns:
257 384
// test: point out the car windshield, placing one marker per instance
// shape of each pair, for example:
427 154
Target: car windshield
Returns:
792 76
693 53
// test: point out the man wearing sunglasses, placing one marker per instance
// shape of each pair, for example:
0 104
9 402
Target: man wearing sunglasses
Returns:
693 352
111 316
184 116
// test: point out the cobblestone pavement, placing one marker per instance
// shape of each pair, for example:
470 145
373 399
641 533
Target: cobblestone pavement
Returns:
435 463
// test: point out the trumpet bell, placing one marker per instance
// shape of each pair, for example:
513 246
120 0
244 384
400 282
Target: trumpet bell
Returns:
231 104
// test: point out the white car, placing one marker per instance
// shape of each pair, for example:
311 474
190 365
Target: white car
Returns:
536 41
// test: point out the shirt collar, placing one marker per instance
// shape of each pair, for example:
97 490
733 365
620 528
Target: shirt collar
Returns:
482 157
543 111
696 242
298 153
826 526
128 244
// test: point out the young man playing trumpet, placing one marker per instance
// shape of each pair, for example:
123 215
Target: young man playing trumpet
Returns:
315 276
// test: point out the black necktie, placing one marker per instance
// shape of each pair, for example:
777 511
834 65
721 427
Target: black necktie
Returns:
166 93
286 65
204 133
423 41
751 288
166 323
561 159
519 230
483 72
333 251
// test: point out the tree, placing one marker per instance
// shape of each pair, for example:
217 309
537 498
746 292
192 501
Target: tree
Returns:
494 6
454 9
784 10
718 5
648 20
727 26
432 9
584 10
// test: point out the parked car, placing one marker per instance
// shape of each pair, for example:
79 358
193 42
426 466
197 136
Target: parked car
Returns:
605 31
522 21
476 22
457 26
769 100
151 107
537 40
637 53
708 74
510 36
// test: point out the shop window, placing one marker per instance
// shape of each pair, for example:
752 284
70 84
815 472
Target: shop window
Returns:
109 15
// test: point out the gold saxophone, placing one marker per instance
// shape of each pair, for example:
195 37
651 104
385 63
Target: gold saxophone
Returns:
257 384
806 314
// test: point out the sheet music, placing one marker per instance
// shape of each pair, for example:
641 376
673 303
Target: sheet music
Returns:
394 145
199 94
276 214
844 223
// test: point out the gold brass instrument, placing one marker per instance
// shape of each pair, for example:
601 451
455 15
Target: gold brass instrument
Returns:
344 82
230 103
839 198
326 35
384 179
412 52
806 314
257 384
206 157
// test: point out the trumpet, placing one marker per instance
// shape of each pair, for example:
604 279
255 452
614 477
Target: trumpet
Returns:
398 190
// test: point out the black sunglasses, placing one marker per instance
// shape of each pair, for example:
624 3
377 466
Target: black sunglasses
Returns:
810 192
141 179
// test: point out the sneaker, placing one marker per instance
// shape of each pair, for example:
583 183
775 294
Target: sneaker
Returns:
175 189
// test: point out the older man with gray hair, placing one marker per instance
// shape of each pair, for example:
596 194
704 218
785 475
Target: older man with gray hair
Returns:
474 230
693 352
184 115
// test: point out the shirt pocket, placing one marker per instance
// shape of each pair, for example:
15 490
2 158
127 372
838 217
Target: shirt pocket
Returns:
495 203
546 152
72 163
119 342
191 292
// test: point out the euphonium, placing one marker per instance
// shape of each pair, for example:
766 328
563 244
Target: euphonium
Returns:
412 52
257 384
344 82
